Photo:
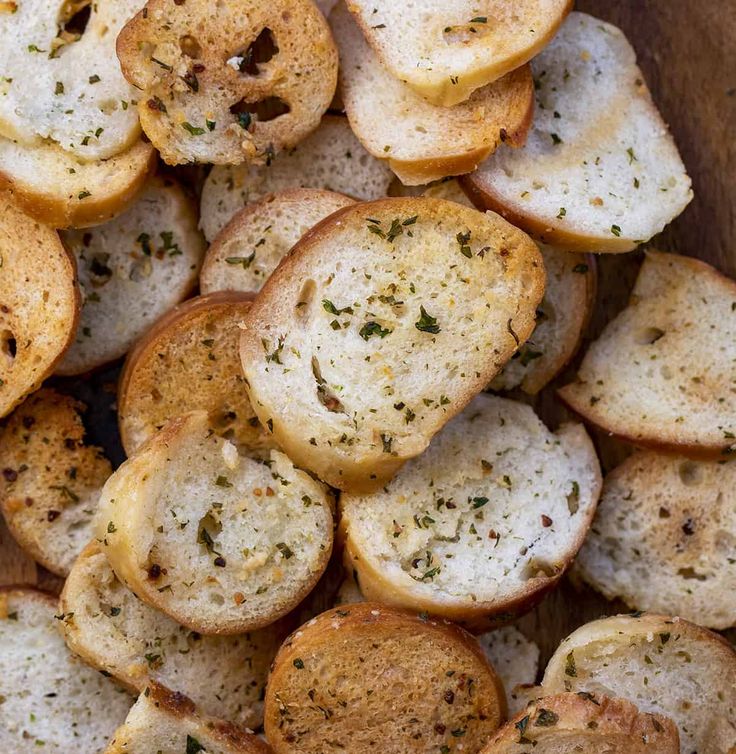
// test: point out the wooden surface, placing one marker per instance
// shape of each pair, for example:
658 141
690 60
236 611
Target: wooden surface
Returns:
687 52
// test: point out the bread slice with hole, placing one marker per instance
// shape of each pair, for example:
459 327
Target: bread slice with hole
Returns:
39 303
51 699
331 158
585 723
235 86
446 51
674 341
428 298
599 171
339 678
252 244
483 523
662 538
112 630
51 481
664 665
423 142
132 270
222 543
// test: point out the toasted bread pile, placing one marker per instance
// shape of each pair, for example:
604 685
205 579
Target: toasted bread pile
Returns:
340 258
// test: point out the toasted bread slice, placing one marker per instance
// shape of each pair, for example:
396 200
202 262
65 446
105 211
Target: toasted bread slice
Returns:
674 343
233 86
663 665
220 542
584 723
112 630
483 523
63 192
252 244
39 303
51 480
445 51
655 544
189 360
341 676
51 699
424 142
599 171
331 158
132 272
427 297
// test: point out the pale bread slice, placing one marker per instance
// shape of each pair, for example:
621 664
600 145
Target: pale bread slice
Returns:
420 141
52 702
674 343
427 297
237 85
330 158
447 50
51 480
664 665
132 270
341 678
222 543
112 630
599 171
39 303
251 245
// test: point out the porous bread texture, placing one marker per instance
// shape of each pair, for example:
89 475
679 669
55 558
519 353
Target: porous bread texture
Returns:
446 50
187 361
663 538
62 88
112 630
428 298
366 675
330 158
663 665
599 171
420 141
51 480
252 244
238 85
39 302
483 522
52 702
674 341
132 270
222 543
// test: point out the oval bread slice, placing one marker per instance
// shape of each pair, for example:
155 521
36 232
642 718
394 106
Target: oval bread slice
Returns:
346 674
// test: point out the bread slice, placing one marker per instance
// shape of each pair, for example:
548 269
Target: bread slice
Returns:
330 158
222 543
112 630
39 303
51 700
664 665
584 723
428 298
166 722
252 244
655 544
674 342
60 191
599 171
189 360
233 86
337 681
423 142
483 523
445 51
132 272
